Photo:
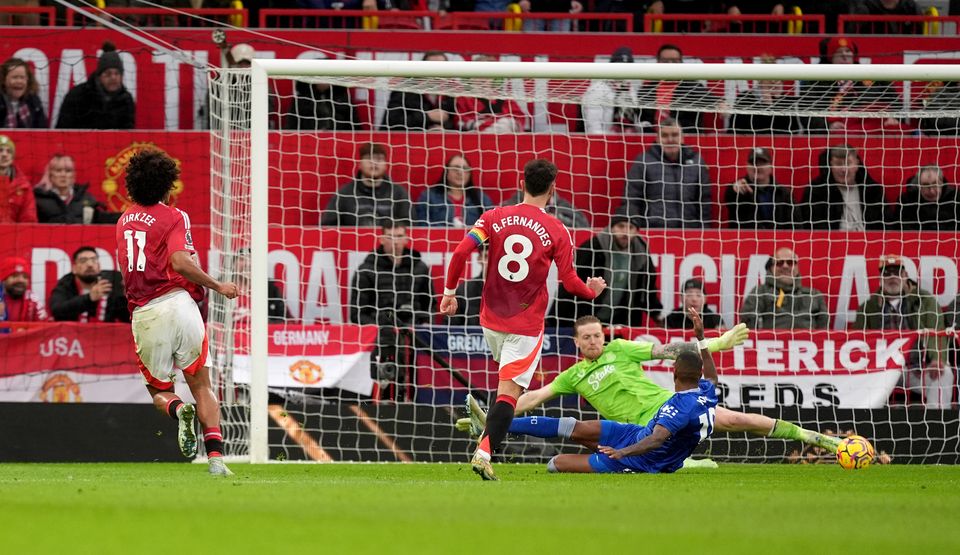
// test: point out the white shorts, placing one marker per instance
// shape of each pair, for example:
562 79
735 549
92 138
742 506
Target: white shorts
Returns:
169 334
518 355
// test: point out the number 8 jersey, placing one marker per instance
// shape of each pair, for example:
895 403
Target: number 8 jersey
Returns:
146 237
523 241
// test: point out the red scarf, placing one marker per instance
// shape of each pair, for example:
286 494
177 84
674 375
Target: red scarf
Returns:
101 306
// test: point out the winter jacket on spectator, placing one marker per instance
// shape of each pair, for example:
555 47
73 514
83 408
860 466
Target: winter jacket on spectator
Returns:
327 110
767 207
17 204
388 294
357 204
684 93
771 305
666 193
559 208
51 209
823 205
30 113
679 319
594 259
67 304
408 111
914 213
434 207
89 106
490 116
920 311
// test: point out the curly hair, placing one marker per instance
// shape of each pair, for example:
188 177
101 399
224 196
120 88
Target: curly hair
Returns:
13 63
150 177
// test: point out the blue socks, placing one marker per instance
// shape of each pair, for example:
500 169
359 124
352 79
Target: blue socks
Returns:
543 426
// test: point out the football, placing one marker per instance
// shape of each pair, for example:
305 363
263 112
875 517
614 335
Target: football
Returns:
855 452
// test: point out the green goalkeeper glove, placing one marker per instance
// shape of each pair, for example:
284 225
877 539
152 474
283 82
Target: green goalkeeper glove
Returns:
730 339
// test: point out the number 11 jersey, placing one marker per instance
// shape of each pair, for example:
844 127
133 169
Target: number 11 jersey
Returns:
146 237
523 241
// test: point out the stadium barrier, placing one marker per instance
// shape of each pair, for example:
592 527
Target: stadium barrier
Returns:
163 17
734 24
856 24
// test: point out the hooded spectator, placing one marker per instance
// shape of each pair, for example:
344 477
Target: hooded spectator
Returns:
101 102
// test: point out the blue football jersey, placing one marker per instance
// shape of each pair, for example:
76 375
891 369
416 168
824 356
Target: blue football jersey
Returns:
689 416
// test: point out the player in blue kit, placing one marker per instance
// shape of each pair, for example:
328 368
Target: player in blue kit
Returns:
682 422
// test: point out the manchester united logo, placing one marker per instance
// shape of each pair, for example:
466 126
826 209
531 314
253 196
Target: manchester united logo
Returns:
115 168
60 388
306 372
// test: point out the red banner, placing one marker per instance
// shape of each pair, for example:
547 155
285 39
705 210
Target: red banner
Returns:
315 266
307 168
169 92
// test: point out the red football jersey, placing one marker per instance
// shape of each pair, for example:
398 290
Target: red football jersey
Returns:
523 241
146 237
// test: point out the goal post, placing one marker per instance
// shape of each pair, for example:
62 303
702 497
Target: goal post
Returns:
245 126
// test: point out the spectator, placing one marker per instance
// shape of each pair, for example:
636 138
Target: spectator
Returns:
693 297
549 6
410 111
455 201
321 107
928 204
102 102
669 184
844 196
21 106
886 7
391 288
609 105
17 301
89 294
370 196
941 97
559 208
17 204
468 294
620 256
666 94
59 199
755 201
765 108
846 95
500 115
900 304
277 312
781 301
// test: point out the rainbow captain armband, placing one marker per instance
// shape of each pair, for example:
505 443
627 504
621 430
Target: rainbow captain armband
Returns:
478 235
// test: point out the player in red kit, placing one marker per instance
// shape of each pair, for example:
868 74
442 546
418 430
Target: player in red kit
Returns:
164 283
523 241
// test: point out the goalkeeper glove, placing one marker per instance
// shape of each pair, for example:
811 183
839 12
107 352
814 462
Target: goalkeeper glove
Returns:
730 339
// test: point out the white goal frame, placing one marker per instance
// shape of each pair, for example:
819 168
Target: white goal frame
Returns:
262 70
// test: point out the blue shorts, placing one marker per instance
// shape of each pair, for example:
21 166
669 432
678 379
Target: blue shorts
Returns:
618 436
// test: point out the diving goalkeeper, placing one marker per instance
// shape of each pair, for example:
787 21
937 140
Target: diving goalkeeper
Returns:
610 377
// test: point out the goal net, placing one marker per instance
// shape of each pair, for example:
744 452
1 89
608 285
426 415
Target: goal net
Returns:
814 203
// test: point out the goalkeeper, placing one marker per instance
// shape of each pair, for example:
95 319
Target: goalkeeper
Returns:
611 379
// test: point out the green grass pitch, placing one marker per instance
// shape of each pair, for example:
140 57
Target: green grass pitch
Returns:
433 508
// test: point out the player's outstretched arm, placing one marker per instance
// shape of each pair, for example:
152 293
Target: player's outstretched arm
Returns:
184 264
533 399
709 368
458 261
657 437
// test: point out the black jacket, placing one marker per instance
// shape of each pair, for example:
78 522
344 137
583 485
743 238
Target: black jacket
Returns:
67 304
679 319
782 122
687 93
356 204
408 111
37 119
330 110
593 260
385 294
468 298
823 203
88 106
52 210
744 210
913 213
